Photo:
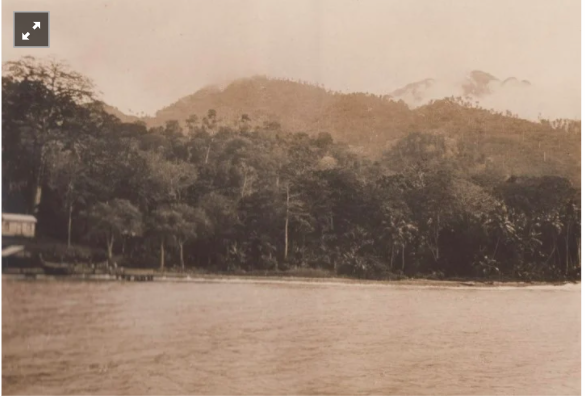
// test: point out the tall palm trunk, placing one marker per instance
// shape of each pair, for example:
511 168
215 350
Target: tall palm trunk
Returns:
286 223
37 188
496 249
162 254
36 196
579 251
69 227
567 261
208 150
110 243
181 255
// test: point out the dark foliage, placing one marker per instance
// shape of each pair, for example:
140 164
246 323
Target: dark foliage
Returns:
251 197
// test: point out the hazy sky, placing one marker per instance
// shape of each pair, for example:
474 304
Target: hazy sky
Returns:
145 54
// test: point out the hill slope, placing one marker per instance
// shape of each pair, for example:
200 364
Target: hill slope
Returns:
296 106
373 123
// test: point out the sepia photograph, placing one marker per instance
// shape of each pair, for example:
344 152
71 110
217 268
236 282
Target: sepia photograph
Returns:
291 197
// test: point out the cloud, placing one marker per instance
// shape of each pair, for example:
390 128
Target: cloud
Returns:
521 98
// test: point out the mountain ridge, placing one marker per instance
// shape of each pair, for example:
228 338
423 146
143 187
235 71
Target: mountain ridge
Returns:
373 123
488 91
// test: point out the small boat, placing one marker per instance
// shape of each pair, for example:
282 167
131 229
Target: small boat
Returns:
58 269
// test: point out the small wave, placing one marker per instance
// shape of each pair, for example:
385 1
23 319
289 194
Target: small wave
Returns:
319 282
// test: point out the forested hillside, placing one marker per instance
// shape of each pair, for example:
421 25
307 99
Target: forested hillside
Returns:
452 190
372 124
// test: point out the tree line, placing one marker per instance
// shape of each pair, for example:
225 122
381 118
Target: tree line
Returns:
201 193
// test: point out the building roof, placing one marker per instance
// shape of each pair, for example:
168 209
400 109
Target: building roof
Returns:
19 217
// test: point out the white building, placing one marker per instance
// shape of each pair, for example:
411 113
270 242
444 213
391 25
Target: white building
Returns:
18 225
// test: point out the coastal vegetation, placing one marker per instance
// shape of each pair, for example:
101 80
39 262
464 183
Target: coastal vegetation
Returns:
432 197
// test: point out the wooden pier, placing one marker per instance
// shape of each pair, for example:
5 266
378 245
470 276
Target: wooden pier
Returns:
135 275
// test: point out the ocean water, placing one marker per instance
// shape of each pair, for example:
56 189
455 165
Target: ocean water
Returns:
74 337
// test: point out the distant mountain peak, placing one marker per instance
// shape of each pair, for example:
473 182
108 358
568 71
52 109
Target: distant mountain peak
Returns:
477 85
416 89
513 81
482 77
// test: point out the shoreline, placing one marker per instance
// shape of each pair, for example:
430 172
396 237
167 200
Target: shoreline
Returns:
284 279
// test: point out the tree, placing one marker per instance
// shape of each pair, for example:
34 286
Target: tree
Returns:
245 123
111 220
161 225
179 224
300 159
66 174
173 129
545 211
40 103
193 224
165 181
192 123
398 231
223 221
210 126
187 223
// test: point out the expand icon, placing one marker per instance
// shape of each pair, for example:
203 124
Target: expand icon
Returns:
31 29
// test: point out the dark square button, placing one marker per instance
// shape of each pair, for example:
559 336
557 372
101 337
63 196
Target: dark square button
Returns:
31 29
